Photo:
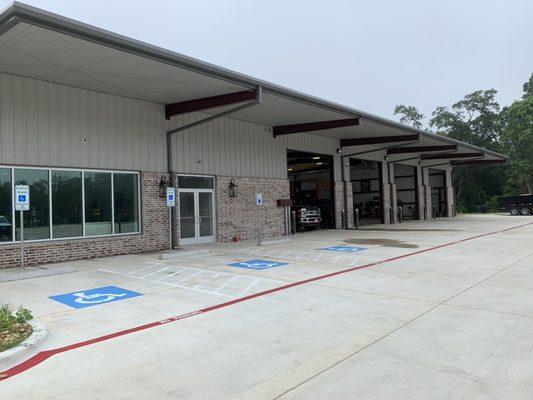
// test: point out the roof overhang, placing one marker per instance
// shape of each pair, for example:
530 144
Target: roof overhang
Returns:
38 44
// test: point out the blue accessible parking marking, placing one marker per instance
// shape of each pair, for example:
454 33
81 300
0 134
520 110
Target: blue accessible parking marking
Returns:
93 297
257 264
345 249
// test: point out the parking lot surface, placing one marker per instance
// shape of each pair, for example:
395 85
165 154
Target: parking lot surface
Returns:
438 310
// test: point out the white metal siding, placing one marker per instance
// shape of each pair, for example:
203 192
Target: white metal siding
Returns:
238 148
43 123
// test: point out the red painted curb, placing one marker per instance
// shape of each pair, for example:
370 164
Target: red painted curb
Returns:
46 354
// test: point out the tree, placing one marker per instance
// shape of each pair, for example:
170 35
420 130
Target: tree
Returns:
517 140
409 115
478 119
474 119
528 88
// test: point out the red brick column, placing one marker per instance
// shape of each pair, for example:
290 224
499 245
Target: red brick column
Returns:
237 216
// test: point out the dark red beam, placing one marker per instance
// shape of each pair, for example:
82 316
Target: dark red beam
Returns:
421 149
208 102
478 162
377 140
314 126
450 155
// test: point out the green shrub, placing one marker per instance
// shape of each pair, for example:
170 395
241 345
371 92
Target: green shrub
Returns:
8 318
14 327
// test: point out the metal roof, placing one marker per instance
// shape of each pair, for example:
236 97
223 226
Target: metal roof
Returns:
43 45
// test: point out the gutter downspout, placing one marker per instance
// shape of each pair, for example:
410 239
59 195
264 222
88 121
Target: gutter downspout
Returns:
170 161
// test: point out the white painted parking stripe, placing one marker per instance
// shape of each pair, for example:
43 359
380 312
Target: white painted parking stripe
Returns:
173 274
251 285
142 269
220 288
167 283
156 272
189 277
203 283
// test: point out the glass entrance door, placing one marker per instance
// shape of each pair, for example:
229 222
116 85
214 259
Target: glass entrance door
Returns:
197 219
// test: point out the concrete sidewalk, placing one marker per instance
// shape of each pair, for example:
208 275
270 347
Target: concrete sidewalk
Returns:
452 322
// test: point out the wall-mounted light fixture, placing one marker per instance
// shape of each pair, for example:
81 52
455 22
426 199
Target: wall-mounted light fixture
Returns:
339 151
163 184
233 188
387 158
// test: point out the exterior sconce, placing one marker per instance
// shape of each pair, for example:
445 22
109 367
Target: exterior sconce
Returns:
233 188
163 184
386 158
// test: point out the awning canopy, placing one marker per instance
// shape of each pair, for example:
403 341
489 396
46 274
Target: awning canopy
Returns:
42 45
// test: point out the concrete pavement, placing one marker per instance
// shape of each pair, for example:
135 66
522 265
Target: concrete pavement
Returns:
451 323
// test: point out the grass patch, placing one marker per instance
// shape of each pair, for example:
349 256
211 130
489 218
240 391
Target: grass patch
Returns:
14 326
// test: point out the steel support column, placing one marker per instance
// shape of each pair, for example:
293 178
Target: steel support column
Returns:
258 99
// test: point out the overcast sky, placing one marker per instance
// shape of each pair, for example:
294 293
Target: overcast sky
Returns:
369 55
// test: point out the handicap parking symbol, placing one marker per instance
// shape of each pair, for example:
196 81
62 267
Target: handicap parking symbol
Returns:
258 264
345 249
93 297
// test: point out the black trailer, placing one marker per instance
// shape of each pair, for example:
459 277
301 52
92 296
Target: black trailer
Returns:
517 205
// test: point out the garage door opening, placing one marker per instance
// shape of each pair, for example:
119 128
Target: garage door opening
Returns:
437 181
367 188
311 185
406 180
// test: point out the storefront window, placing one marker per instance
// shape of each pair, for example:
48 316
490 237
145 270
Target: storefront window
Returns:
69 203
125 187
98 204
66 204
6 216
37 218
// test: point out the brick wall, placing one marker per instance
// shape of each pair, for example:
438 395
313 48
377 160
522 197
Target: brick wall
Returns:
386 202
429 205
394 203
339 204
237 216
154 236
349 211
421 203
450 194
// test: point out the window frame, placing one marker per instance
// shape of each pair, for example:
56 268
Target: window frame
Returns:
138 181
50 201
15 220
